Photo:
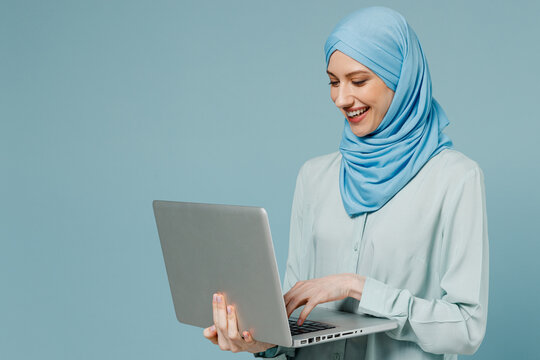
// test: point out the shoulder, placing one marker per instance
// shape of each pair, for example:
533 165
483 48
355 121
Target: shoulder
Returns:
454 166
454 176
319 173
321 164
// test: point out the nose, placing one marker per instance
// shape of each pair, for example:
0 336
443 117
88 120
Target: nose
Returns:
344 97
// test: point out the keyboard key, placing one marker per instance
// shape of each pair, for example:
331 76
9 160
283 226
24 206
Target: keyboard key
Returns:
307 327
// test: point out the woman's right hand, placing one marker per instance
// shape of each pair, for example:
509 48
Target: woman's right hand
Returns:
225 331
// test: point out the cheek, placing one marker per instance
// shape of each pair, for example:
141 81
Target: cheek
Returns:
389 98
382 100
333 95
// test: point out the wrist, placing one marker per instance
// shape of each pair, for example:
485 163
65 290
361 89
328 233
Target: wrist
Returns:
356 286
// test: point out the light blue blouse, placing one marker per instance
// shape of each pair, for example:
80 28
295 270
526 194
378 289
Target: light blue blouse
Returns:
424 253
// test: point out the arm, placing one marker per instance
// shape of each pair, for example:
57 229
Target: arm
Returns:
455 323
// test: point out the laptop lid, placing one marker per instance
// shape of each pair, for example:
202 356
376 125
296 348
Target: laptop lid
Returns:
209 248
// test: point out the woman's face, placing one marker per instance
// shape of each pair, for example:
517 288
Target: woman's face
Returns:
360 94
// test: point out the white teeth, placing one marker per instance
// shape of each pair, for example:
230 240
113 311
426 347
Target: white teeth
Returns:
357 112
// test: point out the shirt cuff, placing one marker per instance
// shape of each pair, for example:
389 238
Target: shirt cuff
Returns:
269 353
377 298
275 351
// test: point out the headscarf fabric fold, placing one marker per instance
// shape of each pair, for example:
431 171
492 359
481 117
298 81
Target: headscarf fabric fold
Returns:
377 166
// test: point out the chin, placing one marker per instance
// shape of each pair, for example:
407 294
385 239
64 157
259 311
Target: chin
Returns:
359 131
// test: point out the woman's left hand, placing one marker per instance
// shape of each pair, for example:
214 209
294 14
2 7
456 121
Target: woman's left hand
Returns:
317 291
225 332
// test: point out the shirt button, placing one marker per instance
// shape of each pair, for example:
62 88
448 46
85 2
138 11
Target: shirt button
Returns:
337 356
355 247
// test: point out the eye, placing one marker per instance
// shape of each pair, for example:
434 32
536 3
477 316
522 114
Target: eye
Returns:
358 83
333 83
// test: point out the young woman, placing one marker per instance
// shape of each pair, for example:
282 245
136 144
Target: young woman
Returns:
394 224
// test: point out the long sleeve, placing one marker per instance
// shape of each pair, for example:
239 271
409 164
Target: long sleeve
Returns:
455 323
296 269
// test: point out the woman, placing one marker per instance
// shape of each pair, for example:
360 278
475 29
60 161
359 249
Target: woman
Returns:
394 224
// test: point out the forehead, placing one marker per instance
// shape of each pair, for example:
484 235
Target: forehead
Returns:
340 64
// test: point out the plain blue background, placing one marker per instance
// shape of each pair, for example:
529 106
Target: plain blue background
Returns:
107 105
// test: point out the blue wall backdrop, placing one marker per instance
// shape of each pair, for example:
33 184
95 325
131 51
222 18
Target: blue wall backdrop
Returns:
107 105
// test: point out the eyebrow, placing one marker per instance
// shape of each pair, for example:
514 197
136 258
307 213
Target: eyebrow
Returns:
349 74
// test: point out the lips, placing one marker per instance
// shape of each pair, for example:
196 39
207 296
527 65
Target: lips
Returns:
357 115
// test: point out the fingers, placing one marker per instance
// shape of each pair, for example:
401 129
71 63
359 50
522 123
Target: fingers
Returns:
305 312
297 299
221 323
295 305
287 297
225 332
210 331
232 326
220 320
297 296
247 337
211 334
302 293
215 309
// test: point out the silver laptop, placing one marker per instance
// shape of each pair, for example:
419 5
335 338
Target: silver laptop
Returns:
211 248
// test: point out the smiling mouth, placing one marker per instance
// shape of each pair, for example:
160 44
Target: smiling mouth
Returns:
357 115
357 112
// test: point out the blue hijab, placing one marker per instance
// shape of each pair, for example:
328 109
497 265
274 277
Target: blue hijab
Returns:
375 167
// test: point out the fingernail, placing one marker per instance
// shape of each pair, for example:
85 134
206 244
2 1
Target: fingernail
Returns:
229 309
219 299
299 322
213 327
215 297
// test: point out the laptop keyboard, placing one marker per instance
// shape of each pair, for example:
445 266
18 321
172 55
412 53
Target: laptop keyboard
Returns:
307 327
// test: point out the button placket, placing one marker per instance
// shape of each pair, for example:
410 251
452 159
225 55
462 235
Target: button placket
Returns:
359 241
